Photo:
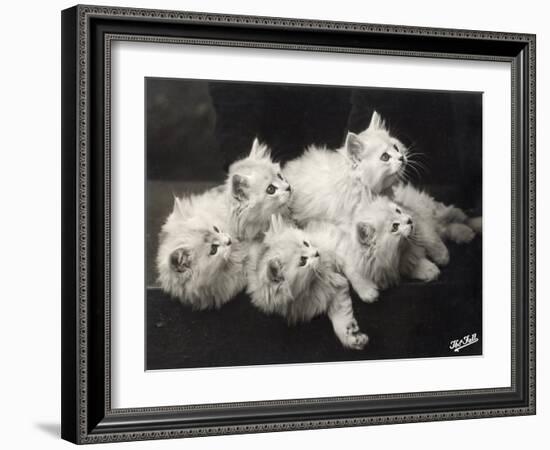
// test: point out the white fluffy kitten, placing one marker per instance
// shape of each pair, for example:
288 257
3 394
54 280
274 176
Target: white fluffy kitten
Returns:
256 189
377 247
442 221
330 185
298 278
197 261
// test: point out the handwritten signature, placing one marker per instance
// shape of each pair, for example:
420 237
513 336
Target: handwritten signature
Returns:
458 344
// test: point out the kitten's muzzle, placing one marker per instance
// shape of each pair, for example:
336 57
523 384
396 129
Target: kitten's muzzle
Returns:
407 230
406 227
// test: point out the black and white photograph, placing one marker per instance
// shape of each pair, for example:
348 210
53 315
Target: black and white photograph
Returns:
274 221
293 223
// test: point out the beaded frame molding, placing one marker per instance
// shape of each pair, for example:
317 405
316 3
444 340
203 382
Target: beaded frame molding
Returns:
87 35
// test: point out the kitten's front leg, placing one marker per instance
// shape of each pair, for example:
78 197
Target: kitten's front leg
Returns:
365 288
345 326
427 236
424 270
437 250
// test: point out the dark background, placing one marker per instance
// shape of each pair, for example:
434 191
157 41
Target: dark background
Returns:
196 128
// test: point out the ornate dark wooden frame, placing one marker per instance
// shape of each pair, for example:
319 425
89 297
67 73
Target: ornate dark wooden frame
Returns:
87 34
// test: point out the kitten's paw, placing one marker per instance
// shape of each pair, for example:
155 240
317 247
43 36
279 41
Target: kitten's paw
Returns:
460 233
475 223
353 337
425 271
368 294
357 341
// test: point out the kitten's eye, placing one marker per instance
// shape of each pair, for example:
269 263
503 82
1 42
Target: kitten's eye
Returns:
394 226
303 261
216 229
395 147
271 189
397 210
306 244
385 156
214 249
280 176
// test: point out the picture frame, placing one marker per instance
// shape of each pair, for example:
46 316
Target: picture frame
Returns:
87 413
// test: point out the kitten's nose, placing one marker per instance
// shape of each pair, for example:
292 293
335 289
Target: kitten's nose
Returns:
228 241
317 254
289 188
409 221
401 158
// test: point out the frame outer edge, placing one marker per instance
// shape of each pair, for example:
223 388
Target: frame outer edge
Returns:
69 290
532 182
298 23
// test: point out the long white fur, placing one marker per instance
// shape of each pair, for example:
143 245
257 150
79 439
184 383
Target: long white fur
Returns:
331 185
186 269
250 205
333 194
278 283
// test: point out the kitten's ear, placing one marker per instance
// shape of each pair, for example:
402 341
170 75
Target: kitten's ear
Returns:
178 208
365 233
376 122
255 145
275 271
239 187
258 150
180 260
354 146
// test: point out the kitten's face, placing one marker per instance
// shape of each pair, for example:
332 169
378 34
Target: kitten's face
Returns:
378 158
193 247
382 224
258 182
290 257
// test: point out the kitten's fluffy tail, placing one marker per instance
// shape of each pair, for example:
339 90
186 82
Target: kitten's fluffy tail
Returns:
475 223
